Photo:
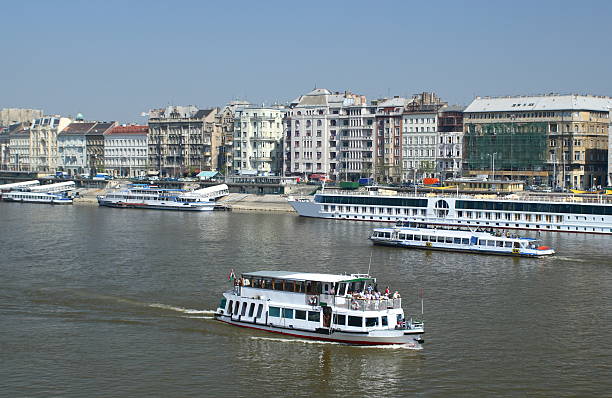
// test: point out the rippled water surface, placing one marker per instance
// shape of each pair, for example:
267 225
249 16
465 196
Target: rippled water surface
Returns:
113 302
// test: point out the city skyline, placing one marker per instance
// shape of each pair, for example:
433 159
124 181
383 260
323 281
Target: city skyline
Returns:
113 61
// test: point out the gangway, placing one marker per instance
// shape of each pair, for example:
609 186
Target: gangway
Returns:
18 185
214 192
57 187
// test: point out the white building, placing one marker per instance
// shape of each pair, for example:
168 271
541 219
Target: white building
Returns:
126 152
329 134
72 147
19 156
258 140
419 144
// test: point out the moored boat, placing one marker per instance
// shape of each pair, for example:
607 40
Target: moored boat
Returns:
459 240
38 197
143 196
328 307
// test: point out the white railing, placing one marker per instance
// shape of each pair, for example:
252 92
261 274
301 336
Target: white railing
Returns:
352 303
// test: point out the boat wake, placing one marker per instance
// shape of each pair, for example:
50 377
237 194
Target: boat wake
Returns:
302 341
181 309
414 347
577 260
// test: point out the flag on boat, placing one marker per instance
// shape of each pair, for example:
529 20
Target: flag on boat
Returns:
231 276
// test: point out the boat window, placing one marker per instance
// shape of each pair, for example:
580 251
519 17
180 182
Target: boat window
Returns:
465 241
441 239
517 245
274 311
259 310
342 289
244 307
299 314
251 310
278 284
314 316
449 239
417 237
409 237
508 244
268 284
401 236
313 287
385 321
223 302
387 234
355 321
457 241
236 307
432 239
229 307
339 319
289 286
482 242
499 243
490 243
298 287
288 313
371 322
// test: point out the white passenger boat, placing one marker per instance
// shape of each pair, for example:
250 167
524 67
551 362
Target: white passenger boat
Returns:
38 197
324 307
471 241
143 196
559 214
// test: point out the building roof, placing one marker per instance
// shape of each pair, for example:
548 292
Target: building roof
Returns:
101 128
202 113
132 129
301 276
76 128
540 103
393 102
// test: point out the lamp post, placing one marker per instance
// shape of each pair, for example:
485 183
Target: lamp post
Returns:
492 165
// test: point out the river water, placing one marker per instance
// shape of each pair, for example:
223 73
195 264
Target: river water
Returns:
113 302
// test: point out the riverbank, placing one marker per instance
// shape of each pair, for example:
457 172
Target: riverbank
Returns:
234 201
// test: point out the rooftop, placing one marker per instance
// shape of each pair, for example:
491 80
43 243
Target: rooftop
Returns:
77 128
300 276
132 129
540 103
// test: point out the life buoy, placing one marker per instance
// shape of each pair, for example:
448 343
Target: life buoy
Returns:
313 300
428 244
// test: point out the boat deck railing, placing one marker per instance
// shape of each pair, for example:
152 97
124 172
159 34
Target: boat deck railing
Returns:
355 303
600 199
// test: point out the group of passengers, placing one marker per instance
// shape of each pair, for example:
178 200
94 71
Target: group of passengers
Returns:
372 293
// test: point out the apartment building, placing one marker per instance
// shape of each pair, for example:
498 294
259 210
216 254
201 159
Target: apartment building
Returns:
561 140
126 151
329 134
450 141
43 154
183 139
258 140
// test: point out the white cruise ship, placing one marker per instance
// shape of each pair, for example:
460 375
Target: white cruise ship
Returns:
38 197
143 196
568 214
341 308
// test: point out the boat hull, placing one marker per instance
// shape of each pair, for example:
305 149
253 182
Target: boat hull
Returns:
475 250
410 338
133 205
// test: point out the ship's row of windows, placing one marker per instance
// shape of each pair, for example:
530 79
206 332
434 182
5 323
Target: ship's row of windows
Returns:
307 287
365 200
373 210
447 239
534 207
290 313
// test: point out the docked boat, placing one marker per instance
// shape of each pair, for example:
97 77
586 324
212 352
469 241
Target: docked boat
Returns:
327 307
143 196
449 239
559 214
38 197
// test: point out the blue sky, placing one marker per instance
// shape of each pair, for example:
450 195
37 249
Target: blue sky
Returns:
112 60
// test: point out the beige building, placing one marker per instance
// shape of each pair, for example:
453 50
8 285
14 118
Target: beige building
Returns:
558 140
10 116
43 154
183 139
19 155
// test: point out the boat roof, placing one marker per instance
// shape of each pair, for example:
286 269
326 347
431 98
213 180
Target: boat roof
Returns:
307 276
452 232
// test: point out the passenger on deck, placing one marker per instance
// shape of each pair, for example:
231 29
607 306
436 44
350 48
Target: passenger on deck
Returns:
396 295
